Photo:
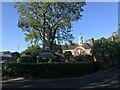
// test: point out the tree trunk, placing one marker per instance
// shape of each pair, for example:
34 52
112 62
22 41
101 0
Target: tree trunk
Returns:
51 46
43 44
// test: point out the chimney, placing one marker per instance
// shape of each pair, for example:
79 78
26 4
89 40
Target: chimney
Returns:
92 41
113 38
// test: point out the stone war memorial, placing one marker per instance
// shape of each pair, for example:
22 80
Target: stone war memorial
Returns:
46 53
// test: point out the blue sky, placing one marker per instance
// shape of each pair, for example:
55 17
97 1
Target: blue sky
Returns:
99 19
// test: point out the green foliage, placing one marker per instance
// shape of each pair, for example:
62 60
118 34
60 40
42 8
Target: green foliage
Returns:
50 19
106 50
31 53
57 49
15 55
26 59
46 70
118 38
83 58
68 54
19 60
32 37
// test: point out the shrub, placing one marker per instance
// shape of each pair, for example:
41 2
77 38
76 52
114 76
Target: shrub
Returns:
68 54
83 58
26 59
46 70
19 60
32 51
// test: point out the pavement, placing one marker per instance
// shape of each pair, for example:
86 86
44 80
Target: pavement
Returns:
101 79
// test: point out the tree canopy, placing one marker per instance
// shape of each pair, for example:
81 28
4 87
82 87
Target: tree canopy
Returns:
48 21
106 50
32 51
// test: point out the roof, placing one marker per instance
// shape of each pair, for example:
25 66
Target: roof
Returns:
86 46
5 52
5 55
46 54
68 47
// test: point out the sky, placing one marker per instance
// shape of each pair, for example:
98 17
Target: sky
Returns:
99 19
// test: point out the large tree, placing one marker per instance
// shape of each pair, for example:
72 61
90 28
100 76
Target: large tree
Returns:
48 21
106 50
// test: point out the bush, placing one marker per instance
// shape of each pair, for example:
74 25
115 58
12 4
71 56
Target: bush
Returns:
46 70
19 60
68 54
26 59
83 58
31 53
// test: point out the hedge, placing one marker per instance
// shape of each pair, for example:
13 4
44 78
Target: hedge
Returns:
46 70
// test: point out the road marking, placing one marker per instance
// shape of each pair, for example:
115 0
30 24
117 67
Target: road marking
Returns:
109 79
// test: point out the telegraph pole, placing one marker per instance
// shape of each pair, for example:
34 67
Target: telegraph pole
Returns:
18 47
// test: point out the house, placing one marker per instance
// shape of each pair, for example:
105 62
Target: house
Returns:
80 48
5 56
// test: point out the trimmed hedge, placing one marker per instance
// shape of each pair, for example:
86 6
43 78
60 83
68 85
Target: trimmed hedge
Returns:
46 70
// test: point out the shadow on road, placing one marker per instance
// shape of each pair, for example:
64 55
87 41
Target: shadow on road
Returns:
106 79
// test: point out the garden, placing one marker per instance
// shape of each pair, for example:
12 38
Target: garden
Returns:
104 51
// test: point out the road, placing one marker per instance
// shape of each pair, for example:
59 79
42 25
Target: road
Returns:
102 79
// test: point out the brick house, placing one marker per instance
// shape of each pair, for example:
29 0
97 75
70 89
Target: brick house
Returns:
80 48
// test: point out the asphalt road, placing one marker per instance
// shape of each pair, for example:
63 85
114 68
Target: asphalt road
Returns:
104 79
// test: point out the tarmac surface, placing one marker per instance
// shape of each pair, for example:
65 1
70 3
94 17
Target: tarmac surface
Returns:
102 79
